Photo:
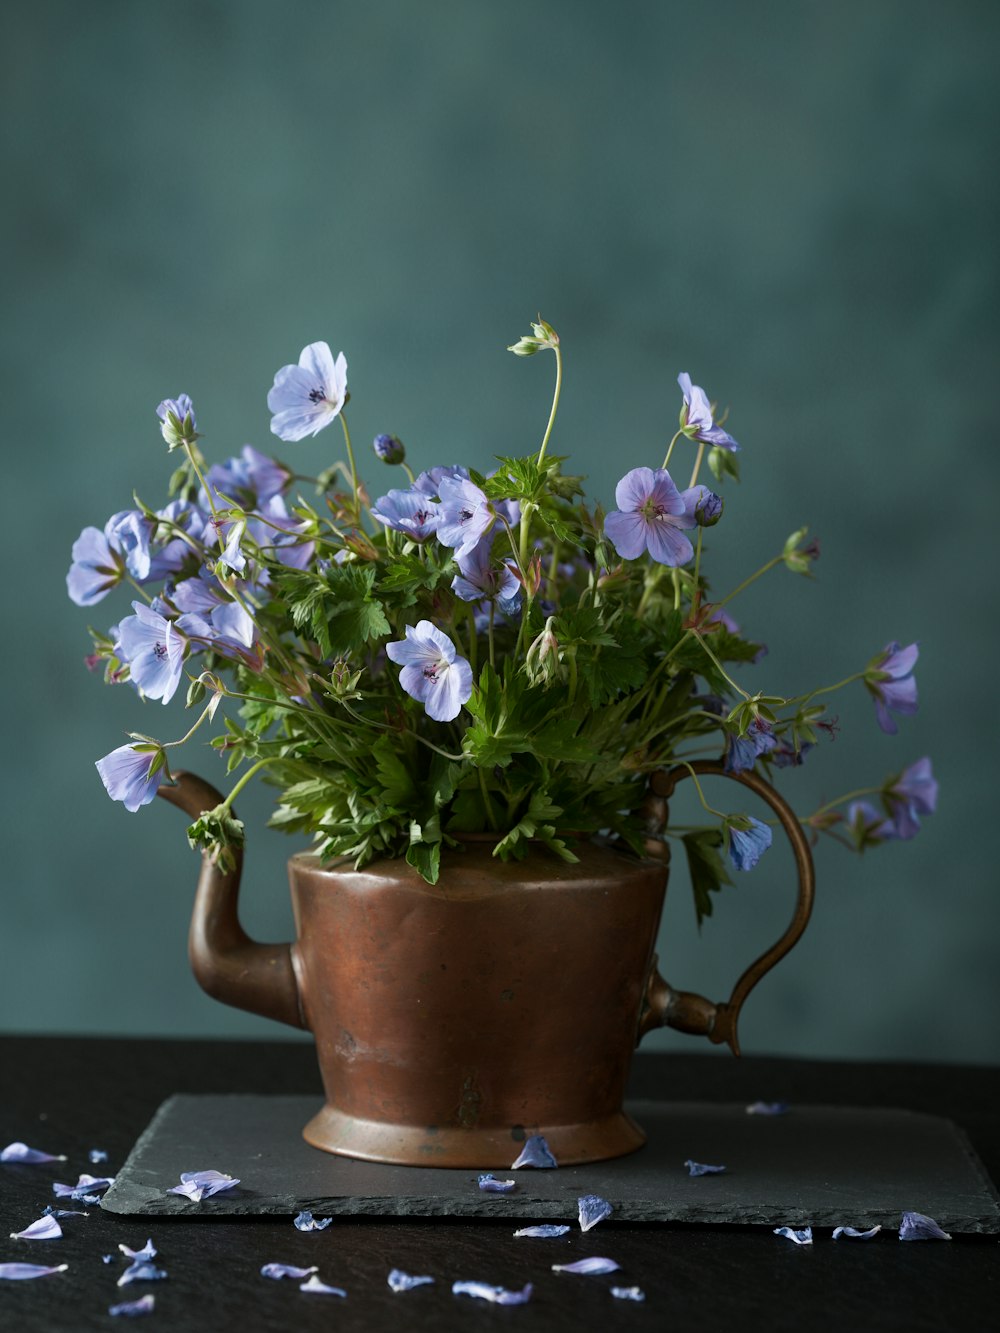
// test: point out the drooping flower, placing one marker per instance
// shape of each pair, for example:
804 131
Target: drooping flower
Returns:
537 1153
412 512
650 515
868 826
432 672
307 397
749 839
889 678
742 752
911 794
132 774
154 651
697 421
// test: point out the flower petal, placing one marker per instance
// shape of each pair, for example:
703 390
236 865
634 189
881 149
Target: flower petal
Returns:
536 1152
918 1226
545 1231
703 1169
145 1305
148 1251
277 1271
802 1237
491 1185
24 1272
593 1209
85 1188
628 1293
852 1233
400 1281
627 533
141 1271
306 1222
46 1228
498 1295
667 545
594 1264
320 1288
198 1185
20 1152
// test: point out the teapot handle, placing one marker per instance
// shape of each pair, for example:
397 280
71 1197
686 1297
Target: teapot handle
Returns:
686 1010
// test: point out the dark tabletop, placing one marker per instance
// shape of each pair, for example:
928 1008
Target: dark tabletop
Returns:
69 1095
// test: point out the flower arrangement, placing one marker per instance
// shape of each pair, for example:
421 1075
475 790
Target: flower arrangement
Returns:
464 654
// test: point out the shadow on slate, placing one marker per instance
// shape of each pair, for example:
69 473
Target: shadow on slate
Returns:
823 1165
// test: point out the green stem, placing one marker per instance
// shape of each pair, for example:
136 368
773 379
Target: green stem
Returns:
555 405
487 803
697 463
842 800
752 579
354 470
251 772
670 448
725 674
207 711
140 590
827 689
701 795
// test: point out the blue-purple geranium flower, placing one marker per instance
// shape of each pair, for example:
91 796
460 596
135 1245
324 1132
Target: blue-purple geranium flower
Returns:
890 681
650 515
697 420
466 515
912 794
480 576
307 397
432 673
412 512
867 826
102 559
154 651
132 774
742 752
749 839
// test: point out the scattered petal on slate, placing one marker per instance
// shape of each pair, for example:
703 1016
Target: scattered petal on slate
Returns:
22 1272
49 1211
400 1281
803 1237
46 1228
198 1185
703 1169
852 1233
628 1293
148 1251
545 1231
306 1222
595 1264
145 1305
97 1155
536 1152
87 1189
321 1288
593 1209
20 1152
491 1185
498 1295
107 1258
141 1271
287 1270
917 1226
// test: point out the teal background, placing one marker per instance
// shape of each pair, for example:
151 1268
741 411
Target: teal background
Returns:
796 202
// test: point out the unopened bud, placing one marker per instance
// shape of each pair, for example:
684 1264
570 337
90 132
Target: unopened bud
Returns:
177 421
389 448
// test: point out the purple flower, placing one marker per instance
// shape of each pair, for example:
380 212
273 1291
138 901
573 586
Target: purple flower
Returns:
592 1209
889 678
232 555
211 614
429 482
307 397
918 1226
250 479
132 774
868 826
389 448
20 1152
743 751
748 844
697 421
466 515
480 576
536 1152
24 1272
154 651
177 420
101 559
412 512
432 673
594 1264
651 511
913 793
785 755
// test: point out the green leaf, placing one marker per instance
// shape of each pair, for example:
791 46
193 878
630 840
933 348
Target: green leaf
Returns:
708 870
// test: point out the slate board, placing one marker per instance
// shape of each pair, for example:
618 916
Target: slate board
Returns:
817 1164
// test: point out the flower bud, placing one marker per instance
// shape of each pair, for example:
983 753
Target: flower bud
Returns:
389 448
708 510
178 426
542 658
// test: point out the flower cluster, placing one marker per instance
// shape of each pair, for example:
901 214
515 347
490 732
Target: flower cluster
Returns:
464 653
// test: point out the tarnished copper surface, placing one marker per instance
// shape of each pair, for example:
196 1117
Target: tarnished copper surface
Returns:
453 1020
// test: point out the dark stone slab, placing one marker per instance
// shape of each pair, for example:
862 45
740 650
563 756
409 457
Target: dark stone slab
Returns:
822 1165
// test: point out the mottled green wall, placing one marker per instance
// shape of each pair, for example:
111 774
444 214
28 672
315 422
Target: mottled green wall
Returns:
796 202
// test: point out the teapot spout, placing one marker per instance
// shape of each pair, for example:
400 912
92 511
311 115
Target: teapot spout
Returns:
227 964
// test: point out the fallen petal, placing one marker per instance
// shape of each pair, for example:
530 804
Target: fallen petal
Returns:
536 1152
628 1293
198 1185
321 1288
767 1108
148 1251
917 1226
287 1270
306 1222
545 1231
852 1233
49 1211
400 1281
86 1188
107 1258
145 1305
498 1295
141 1271
20 1152
491 1185
22 1272
703 1169
595 1264
97 1155
593 1209
803 1237
46 1228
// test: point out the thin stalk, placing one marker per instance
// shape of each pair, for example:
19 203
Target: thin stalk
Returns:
697 462
555 404
670 448
354 470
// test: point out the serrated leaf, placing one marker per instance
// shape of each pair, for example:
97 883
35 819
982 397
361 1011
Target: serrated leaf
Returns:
708 870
